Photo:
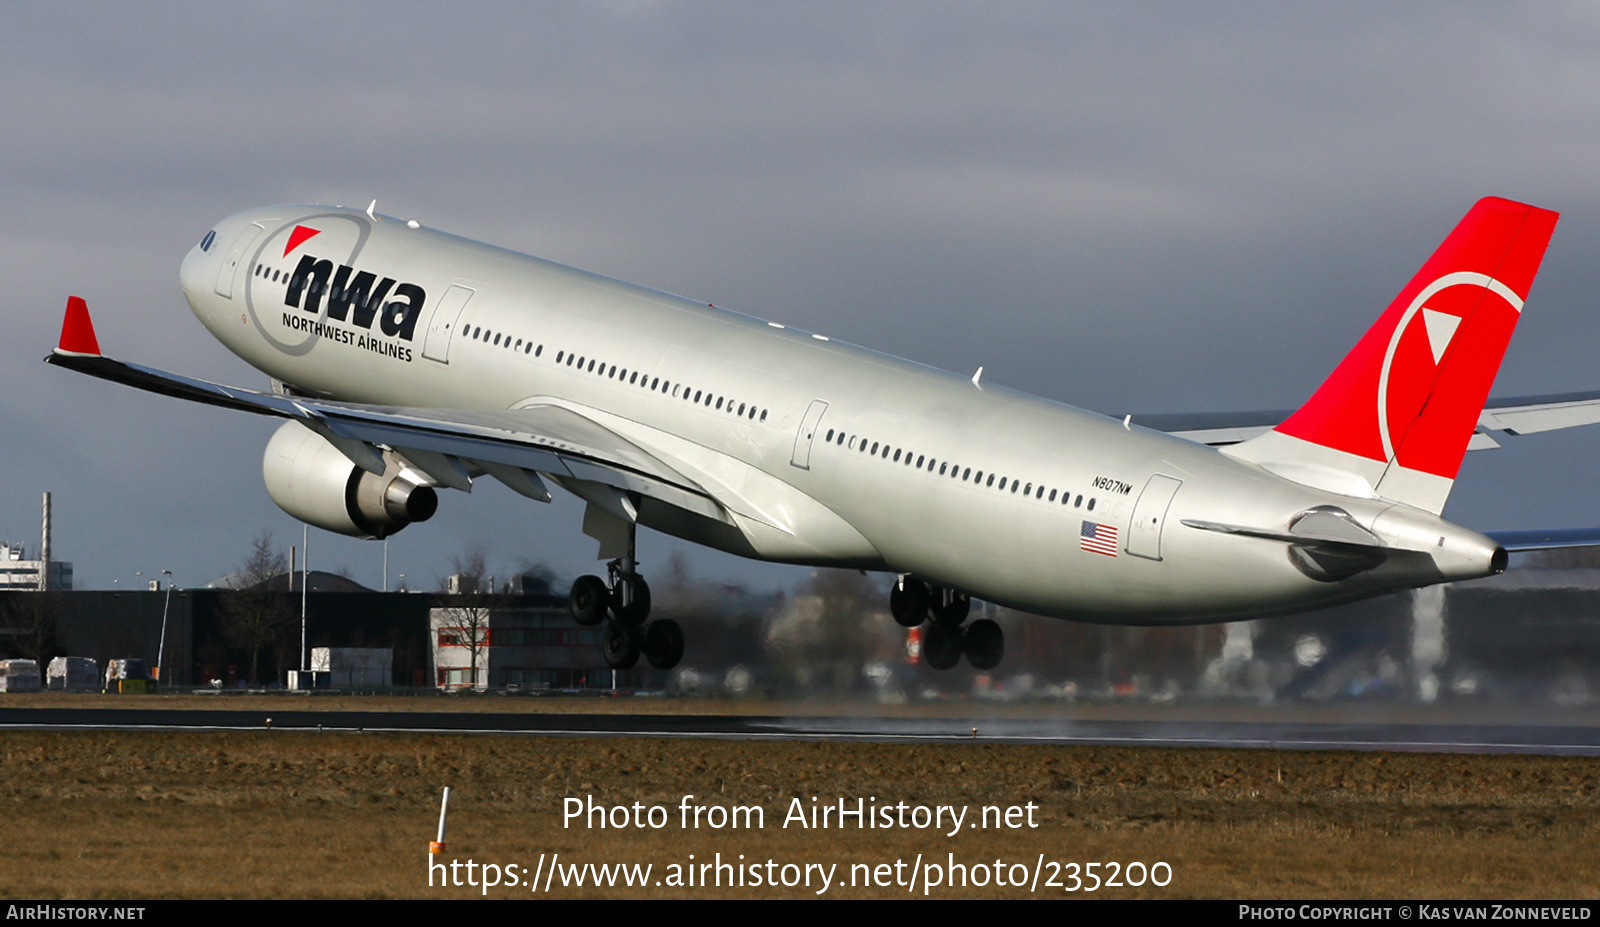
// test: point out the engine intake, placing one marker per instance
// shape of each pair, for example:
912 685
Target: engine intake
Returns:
315 482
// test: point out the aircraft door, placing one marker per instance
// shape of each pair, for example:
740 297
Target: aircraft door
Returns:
436 345
230 264
808 431
1150 516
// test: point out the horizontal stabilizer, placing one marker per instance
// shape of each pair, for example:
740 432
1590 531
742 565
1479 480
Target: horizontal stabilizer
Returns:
1518 542
1342 539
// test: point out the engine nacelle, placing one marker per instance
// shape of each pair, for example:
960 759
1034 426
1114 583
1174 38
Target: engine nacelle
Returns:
312 480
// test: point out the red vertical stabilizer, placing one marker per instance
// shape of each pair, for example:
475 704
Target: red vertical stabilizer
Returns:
1402 405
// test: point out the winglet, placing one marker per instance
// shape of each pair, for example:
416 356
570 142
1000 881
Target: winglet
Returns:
77 331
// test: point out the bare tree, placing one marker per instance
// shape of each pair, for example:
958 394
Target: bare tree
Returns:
465 623
472 568
30 619
823 638
255 615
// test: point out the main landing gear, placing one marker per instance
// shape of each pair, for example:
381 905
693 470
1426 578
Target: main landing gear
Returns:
627 634
912 602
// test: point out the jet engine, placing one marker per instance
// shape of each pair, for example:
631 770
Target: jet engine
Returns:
315 482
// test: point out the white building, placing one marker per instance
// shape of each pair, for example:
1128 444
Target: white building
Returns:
531 648
17 572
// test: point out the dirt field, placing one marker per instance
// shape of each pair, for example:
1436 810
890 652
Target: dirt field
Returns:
296 815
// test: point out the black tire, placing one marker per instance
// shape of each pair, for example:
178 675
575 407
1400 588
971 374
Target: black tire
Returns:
941 646
908 603
619 643
589 599
663 643
985 644
636 613
955 612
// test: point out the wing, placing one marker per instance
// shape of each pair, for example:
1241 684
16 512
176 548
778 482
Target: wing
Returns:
1512 415
450 446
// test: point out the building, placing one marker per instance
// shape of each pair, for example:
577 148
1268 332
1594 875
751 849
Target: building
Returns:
17 572
538 647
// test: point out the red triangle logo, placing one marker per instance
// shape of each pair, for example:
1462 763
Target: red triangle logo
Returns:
298 236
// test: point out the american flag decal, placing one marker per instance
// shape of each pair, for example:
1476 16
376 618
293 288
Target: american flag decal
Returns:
1098 539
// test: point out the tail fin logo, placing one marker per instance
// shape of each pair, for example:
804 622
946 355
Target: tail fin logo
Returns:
298 237
1414 360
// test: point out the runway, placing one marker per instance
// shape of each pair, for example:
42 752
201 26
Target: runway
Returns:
1553 740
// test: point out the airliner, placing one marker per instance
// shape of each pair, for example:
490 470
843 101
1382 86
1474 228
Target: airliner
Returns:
406 360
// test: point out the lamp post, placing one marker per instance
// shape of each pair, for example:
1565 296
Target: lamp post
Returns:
161 648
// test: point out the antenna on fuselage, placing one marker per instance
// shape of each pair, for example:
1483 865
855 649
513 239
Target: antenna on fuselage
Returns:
370 207
978 376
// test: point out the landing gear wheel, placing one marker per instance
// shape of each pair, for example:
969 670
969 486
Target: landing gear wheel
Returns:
941 646
954 611
663 643
589 599
908 602
984 644
635 613
620 644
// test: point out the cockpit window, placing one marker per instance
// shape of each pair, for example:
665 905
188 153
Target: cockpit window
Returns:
206 242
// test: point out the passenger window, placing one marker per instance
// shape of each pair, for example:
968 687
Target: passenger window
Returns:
1052 495
1091 505
1079 503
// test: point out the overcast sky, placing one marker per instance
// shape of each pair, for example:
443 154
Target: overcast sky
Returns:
1130 208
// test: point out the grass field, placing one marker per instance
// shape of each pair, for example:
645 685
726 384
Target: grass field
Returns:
279 814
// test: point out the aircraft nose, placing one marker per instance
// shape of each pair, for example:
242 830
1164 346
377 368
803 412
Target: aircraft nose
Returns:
202 257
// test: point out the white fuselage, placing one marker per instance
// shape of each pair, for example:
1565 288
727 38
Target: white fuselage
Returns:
830 453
